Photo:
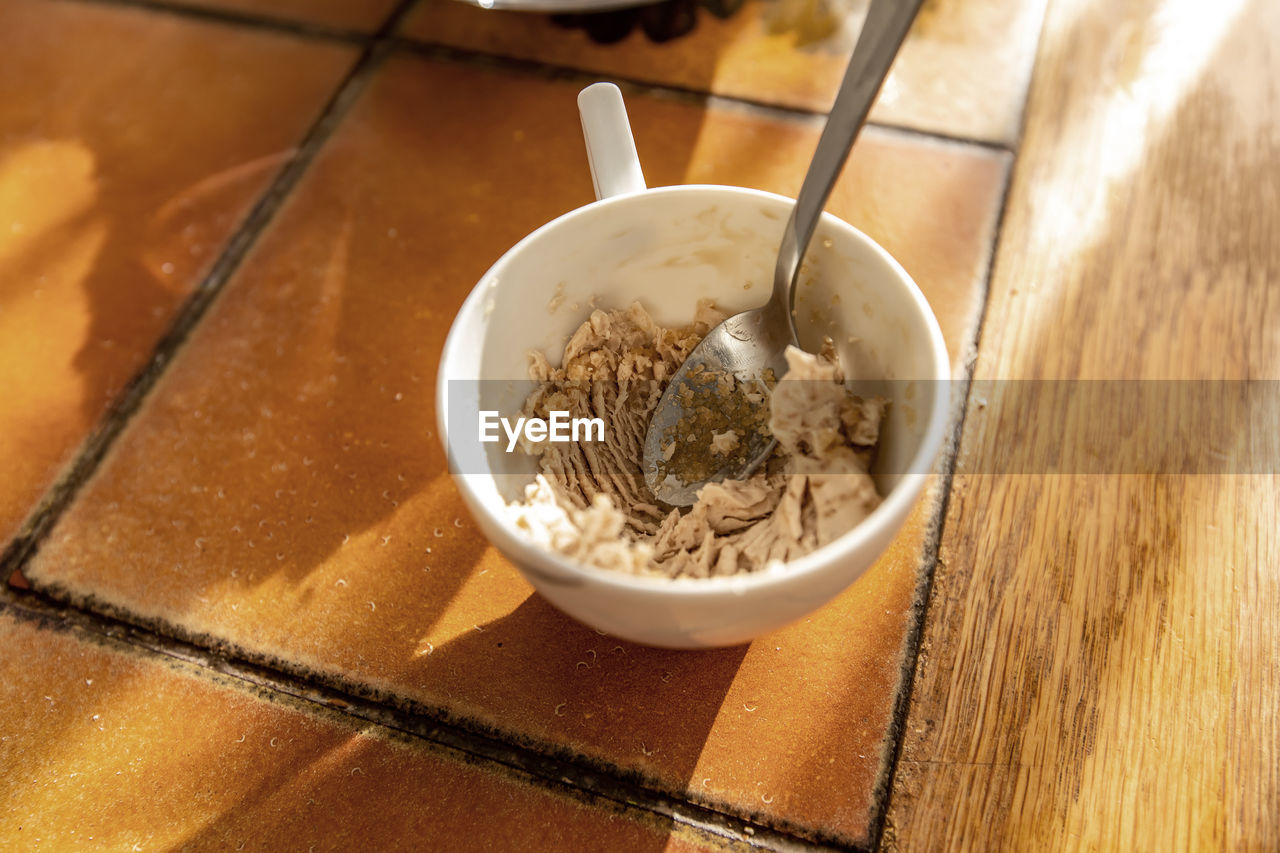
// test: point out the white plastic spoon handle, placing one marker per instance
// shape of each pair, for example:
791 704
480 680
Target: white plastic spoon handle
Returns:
611 150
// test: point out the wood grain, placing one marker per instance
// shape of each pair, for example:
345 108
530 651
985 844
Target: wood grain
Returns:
1098 664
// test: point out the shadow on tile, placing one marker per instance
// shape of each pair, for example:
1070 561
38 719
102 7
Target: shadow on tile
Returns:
554 678
133 146
118 748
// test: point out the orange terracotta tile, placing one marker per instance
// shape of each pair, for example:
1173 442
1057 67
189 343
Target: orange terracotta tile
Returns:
364 16
105 747
963 71
131 145
281 490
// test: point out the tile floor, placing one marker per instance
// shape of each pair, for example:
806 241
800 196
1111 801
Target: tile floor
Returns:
122 175
279 495
96 734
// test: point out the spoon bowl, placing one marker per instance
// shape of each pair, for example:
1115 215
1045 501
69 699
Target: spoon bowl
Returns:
750 348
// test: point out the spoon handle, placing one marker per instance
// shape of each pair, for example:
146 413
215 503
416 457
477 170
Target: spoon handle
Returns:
611 150
882 34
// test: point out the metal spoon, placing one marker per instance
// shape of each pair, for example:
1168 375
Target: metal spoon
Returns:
752 344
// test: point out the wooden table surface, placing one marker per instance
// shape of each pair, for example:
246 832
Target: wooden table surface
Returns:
1092 663
1099 662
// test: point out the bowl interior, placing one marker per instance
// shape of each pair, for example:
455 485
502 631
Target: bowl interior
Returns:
669 248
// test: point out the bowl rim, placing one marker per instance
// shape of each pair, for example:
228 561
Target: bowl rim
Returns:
566 570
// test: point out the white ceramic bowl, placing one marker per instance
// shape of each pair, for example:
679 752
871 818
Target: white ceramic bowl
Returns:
669 248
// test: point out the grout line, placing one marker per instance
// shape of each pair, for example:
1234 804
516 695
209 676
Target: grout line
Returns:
390 25
931 551
933 545
306 29
417 721
130 398
939 139
681 94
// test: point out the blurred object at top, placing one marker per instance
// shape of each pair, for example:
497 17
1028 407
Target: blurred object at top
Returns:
590 7
609 21
661 22
810 20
